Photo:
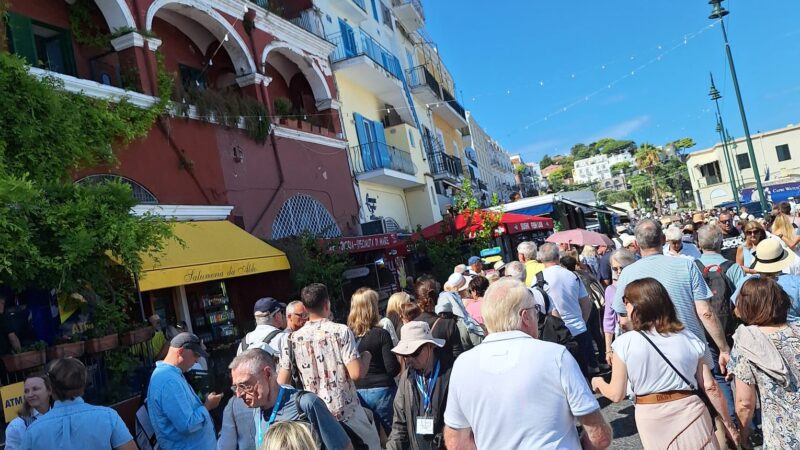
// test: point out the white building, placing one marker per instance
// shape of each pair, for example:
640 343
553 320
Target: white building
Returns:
494 172
598 168
774 151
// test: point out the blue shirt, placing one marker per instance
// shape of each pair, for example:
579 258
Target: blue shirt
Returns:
179 419
306 407
76 425
682 280
790 284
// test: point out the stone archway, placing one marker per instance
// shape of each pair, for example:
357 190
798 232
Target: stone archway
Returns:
312 73
204 14
116 13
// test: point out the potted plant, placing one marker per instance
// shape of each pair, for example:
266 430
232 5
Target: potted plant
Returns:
136 333
109 316
67 346
29 356
283 108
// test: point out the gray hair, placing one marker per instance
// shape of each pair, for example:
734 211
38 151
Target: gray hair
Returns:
291 305
263 320
504 301
528 250
673 233
548 252
516 270
254 359
623 257
709 237
648 234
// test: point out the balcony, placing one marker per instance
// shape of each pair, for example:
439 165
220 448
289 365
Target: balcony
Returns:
377 162
424 85
409 13
310 21
361 58
451 111
445 167
482 186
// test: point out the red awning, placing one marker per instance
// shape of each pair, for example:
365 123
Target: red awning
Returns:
511 223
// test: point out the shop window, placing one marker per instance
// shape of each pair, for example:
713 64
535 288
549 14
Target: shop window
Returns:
41 45
192 78
743 161
783 152
301 213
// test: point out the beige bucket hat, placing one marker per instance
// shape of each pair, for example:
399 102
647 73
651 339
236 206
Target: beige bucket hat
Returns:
414 335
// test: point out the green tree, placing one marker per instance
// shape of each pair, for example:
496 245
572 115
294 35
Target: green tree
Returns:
648 158
55 233
609 146
611 197
625 167
323 265
683 143
546 161
556 179
581 151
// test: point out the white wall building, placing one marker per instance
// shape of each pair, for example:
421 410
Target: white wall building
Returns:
598 168
777 154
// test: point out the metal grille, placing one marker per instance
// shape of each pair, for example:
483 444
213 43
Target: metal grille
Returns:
390 225
302 213
140 193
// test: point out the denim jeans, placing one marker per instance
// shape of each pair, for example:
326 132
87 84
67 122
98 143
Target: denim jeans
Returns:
379 401
724 385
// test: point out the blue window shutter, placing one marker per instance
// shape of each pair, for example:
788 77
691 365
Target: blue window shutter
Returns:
375 12
348 39
364 149
383 149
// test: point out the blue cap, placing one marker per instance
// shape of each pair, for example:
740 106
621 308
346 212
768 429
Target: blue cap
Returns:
267 305
473 260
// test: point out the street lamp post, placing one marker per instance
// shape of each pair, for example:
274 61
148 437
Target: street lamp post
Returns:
715 95
717 13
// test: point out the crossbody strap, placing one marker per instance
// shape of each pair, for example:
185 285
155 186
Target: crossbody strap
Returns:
667 361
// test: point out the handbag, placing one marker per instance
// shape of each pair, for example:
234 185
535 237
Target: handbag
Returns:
699 392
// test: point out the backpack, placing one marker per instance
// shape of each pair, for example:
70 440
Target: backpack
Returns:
722 289
355 439
552 328
266 340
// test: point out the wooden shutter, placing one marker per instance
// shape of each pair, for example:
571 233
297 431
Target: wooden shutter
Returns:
20 34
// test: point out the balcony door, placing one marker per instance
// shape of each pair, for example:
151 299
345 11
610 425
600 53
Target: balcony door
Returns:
372 142
348 39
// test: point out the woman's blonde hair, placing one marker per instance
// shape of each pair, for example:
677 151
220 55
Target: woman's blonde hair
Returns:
783 226
588 250
363 311
394 306
289 436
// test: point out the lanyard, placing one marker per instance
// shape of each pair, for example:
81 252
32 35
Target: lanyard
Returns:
272 417
426 394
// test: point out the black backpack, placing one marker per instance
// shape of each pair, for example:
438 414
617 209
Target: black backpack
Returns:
552 328
722 289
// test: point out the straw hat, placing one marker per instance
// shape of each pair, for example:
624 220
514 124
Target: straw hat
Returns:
415 334
698 218
499 265
771 257
665 220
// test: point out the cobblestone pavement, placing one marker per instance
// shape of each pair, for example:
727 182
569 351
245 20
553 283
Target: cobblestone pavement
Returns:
620 417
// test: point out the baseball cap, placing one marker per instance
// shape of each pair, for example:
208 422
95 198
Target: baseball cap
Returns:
190 341
473 260
267 305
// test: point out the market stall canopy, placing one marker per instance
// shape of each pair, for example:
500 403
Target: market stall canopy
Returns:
510 222
579 236
212 250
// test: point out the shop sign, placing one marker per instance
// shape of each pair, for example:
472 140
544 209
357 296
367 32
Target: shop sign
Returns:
521 227
367 243
197 275
12 396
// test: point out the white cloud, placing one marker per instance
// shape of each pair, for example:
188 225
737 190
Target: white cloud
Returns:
622 129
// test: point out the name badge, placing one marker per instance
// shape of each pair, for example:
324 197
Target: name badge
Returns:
424 425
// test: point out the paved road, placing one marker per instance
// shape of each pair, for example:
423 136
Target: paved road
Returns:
620 417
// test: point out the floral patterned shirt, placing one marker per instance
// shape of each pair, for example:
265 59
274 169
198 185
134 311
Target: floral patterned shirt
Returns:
322 349
780 406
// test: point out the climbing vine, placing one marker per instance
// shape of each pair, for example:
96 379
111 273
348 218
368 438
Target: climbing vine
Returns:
84 30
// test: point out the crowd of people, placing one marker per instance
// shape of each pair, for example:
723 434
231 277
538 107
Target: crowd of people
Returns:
692 318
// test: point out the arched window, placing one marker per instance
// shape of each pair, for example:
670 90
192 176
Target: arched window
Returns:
302 213
140 193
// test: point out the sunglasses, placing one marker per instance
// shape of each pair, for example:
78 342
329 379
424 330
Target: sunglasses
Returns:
726 222
416 353
752 232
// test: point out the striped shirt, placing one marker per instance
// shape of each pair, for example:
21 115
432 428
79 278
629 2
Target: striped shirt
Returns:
682 280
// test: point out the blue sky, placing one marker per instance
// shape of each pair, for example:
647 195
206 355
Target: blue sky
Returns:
517 62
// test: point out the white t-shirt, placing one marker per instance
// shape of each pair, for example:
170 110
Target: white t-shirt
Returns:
566 289
538 383
648 373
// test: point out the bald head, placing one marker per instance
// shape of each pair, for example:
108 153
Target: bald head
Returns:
649 235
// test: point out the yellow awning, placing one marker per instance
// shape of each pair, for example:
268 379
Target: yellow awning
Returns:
212 250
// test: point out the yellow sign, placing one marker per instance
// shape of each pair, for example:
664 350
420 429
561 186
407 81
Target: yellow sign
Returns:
12 396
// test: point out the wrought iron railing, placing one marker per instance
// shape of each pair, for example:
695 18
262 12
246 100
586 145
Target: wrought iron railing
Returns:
378 155
443 164
482 185
358 43
310 21
415 3
448 97
421 76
